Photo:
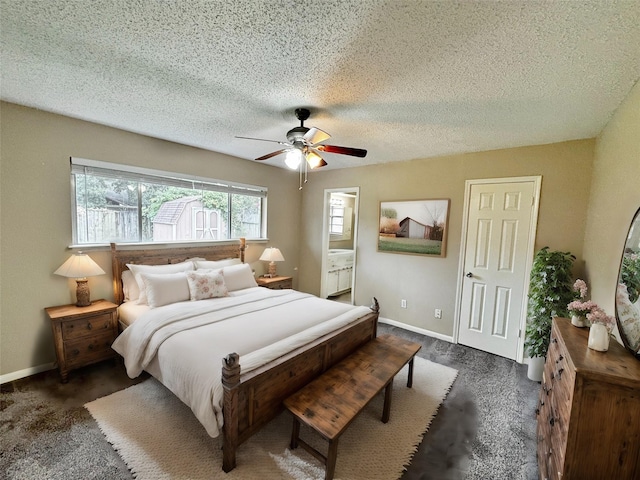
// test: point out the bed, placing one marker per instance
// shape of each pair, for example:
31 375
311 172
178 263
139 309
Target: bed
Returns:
254 377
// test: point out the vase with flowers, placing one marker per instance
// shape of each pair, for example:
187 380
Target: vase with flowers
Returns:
601 327
580 307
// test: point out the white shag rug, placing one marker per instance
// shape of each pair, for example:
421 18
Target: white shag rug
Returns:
158 437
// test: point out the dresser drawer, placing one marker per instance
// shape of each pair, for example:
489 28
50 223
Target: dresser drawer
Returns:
87 326
85 351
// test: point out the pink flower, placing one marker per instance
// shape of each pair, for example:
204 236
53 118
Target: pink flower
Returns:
598 315
580 286
580 308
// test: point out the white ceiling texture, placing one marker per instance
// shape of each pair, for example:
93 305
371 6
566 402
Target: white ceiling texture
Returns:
403 79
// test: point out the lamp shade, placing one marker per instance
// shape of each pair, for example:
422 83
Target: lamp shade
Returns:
272 254
79 265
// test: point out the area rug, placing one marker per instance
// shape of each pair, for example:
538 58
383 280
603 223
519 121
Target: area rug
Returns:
158 437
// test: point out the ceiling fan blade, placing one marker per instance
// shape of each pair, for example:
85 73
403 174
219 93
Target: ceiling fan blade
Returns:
315 135
272 154
264 140
354 152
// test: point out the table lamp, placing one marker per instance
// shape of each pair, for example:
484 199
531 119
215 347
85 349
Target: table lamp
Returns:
80 266
271 255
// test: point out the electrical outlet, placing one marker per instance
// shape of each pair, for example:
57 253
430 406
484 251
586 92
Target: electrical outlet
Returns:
403 303
438 313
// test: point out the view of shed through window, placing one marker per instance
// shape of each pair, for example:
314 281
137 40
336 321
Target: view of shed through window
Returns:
142 206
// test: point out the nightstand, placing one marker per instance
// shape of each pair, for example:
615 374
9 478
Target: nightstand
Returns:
275 283
83 335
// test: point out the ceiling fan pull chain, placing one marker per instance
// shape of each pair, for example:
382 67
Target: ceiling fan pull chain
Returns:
300 173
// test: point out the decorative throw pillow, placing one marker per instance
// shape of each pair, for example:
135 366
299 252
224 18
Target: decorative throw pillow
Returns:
165 288
203 285
155 269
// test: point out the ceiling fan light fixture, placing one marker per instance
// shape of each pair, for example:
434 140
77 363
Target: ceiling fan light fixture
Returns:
293 159
314 160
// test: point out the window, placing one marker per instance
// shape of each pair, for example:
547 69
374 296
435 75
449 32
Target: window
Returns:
336 217
117 203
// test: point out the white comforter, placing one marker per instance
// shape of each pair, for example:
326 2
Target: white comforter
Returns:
183 344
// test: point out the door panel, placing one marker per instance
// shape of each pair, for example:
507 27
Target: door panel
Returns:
495 264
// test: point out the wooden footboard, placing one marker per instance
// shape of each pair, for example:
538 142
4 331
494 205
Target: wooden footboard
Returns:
253 399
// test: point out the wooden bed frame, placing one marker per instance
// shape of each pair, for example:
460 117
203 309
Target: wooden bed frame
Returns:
251 400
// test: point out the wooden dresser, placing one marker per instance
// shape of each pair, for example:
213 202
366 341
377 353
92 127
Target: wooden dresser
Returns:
589 409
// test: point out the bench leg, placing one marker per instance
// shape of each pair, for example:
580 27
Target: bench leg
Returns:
410 376
295 433
331 459
386 410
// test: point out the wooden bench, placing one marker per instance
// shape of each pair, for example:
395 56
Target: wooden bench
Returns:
332 401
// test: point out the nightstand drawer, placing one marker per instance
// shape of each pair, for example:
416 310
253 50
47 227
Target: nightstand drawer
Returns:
85 351
86 326
282 284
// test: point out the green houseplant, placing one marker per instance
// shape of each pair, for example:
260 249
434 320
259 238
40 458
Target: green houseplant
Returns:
550 290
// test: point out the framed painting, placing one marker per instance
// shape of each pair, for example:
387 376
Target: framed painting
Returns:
416 227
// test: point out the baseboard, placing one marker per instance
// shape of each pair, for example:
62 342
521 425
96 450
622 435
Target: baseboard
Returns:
419 330
10 377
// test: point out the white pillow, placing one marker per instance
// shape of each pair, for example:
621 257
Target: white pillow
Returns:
217 264
165 288
129 286
207 284
237 277
155 269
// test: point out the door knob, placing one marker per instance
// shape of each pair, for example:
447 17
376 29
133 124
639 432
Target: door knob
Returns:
469 275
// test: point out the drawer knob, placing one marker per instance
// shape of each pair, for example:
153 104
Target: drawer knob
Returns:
560 372
552 422
89 326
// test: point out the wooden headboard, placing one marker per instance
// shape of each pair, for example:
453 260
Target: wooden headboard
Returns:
165 256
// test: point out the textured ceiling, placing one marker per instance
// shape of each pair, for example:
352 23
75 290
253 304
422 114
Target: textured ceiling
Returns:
403 79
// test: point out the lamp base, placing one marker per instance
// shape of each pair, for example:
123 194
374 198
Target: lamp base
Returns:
82 293
272 269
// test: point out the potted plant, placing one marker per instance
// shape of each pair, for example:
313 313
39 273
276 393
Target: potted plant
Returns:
550 291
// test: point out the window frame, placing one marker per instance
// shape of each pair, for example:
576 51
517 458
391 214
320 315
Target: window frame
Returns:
142 174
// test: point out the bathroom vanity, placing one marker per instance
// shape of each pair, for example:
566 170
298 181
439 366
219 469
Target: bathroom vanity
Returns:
339 272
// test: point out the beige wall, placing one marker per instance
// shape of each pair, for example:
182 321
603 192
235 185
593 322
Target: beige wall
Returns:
615 197
428 283
35 219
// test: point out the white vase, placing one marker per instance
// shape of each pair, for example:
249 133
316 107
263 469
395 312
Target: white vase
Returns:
578 321
535 369
598 337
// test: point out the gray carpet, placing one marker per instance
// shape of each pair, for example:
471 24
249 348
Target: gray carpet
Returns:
485 429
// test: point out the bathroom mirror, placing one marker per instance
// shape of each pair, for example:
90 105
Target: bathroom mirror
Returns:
628 289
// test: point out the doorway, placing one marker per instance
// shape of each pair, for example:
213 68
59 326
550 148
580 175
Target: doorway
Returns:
499 229
339 241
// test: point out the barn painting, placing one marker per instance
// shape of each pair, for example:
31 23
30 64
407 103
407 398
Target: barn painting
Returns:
417 227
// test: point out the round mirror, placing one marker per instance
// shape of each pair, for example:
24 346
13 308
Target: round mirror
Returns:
628 289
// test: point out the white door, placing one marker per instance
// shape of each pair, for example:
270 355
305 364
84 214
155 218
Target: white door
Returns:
497 258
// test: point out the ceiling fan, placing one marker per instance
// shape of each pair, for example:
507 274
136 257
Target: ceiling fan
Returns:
305 143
